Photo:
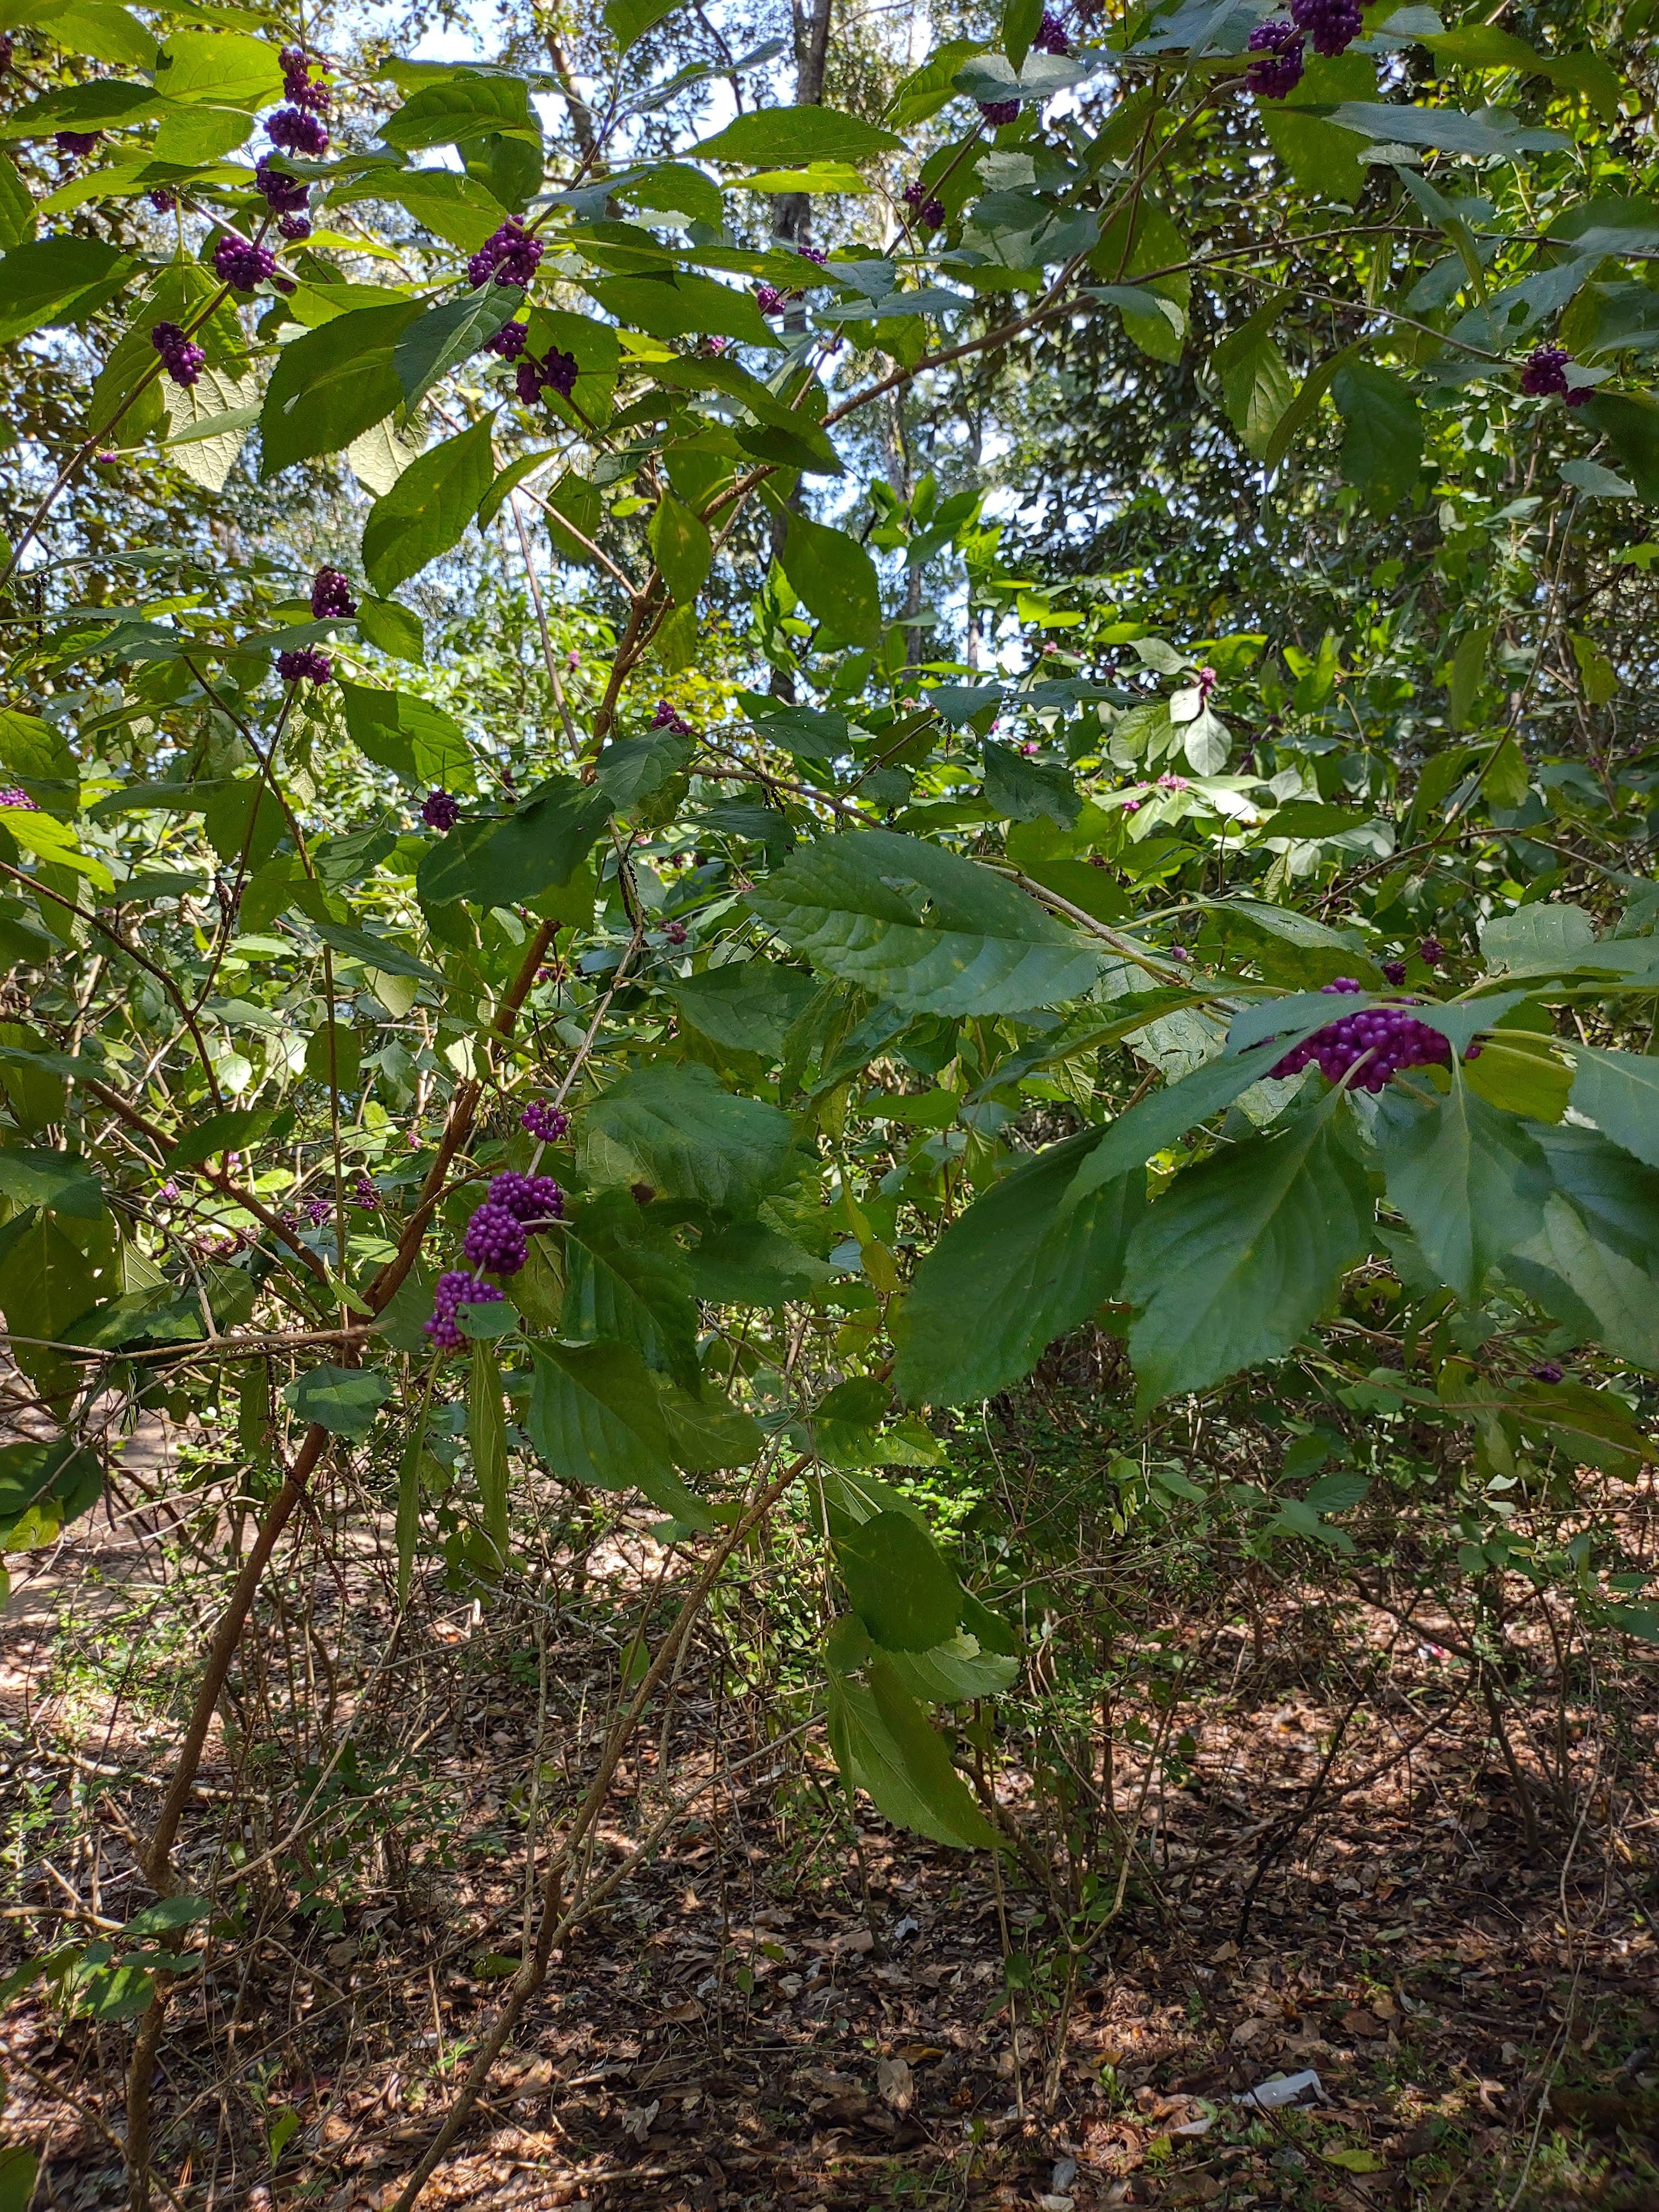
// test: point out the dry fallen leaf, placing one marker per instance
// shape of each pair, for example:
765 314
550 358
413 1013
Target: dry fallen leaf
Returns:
896 2084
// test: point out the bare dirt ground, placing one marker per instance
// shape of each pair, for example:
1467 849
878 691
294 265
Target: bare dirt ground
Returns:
774 2010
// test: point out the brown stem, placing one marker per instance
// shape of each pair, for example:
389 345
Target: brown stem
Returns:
533 1972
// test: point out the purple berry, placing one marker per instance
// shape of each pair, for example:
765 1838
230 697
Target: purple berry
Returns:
455 1289
75 142
296 80
293 228
162 200
532 1199
508 342
365 1194
771 300
284 195
508 256
183 361
815 254
666 718
674 932
440 809
308 665
331 595
18 800
242 265
932 214
559 373
998 111
1432 950
298 131
1544 373
1278 72
1547 1371
495 1239
1395 972
5 51
546 1123
1051 36
1330 25
318 1211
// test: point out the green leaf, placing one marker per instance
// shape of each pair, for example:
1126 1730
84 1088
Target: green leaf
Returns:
628 20
1382 441
682 548
683 306
103 104
1302 410
331 385
107 33
1323 160
393 629
1598 1242
1243 1253
882 1745
1256 383
747 1264
1483 46
55 1482
954 1672
457 209
540 845
1620 1092
1014 1271
55 280
428 509
673 1127
708 1434
1628 420
1021 790
748 1006
16 208
1469 1178
459 108
1492 135
60 1181
917 924
795 134
930 87
344 1400
219 1133
408 734
334 1056
628 1281
634 767
835 579
596 1418
453 332
46 1281
221 68
486 1432
380 955
899 1582
18 2167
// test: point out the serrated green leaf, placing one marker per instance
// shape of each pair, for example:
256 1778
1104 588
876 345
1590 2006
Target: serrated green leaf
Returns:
898 1583
835 579
428 509
344 1400
1469 1177
596 1418
914 923
1243 1253
675 1129
331 385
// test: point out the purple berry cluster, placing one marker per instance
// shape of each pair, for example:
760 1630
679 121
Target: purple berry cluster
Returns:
162 200
297 86
771 301
998 111
18 799
1277 71
508 342
283 194
558 373
815 254
293 228
546 1123
1544 376
331 595
75 142
454 1289
241 264
1330 25
495 1239
297 131
305 666
667 718
1394 970
1547 1370
1051 36
507 256
1378 1041
318 1211
674 932
183 361
533 1200
440 809
365 1194
927 211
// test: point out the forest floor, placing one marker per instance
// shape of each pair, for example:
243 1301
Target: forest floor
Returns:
764 2016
